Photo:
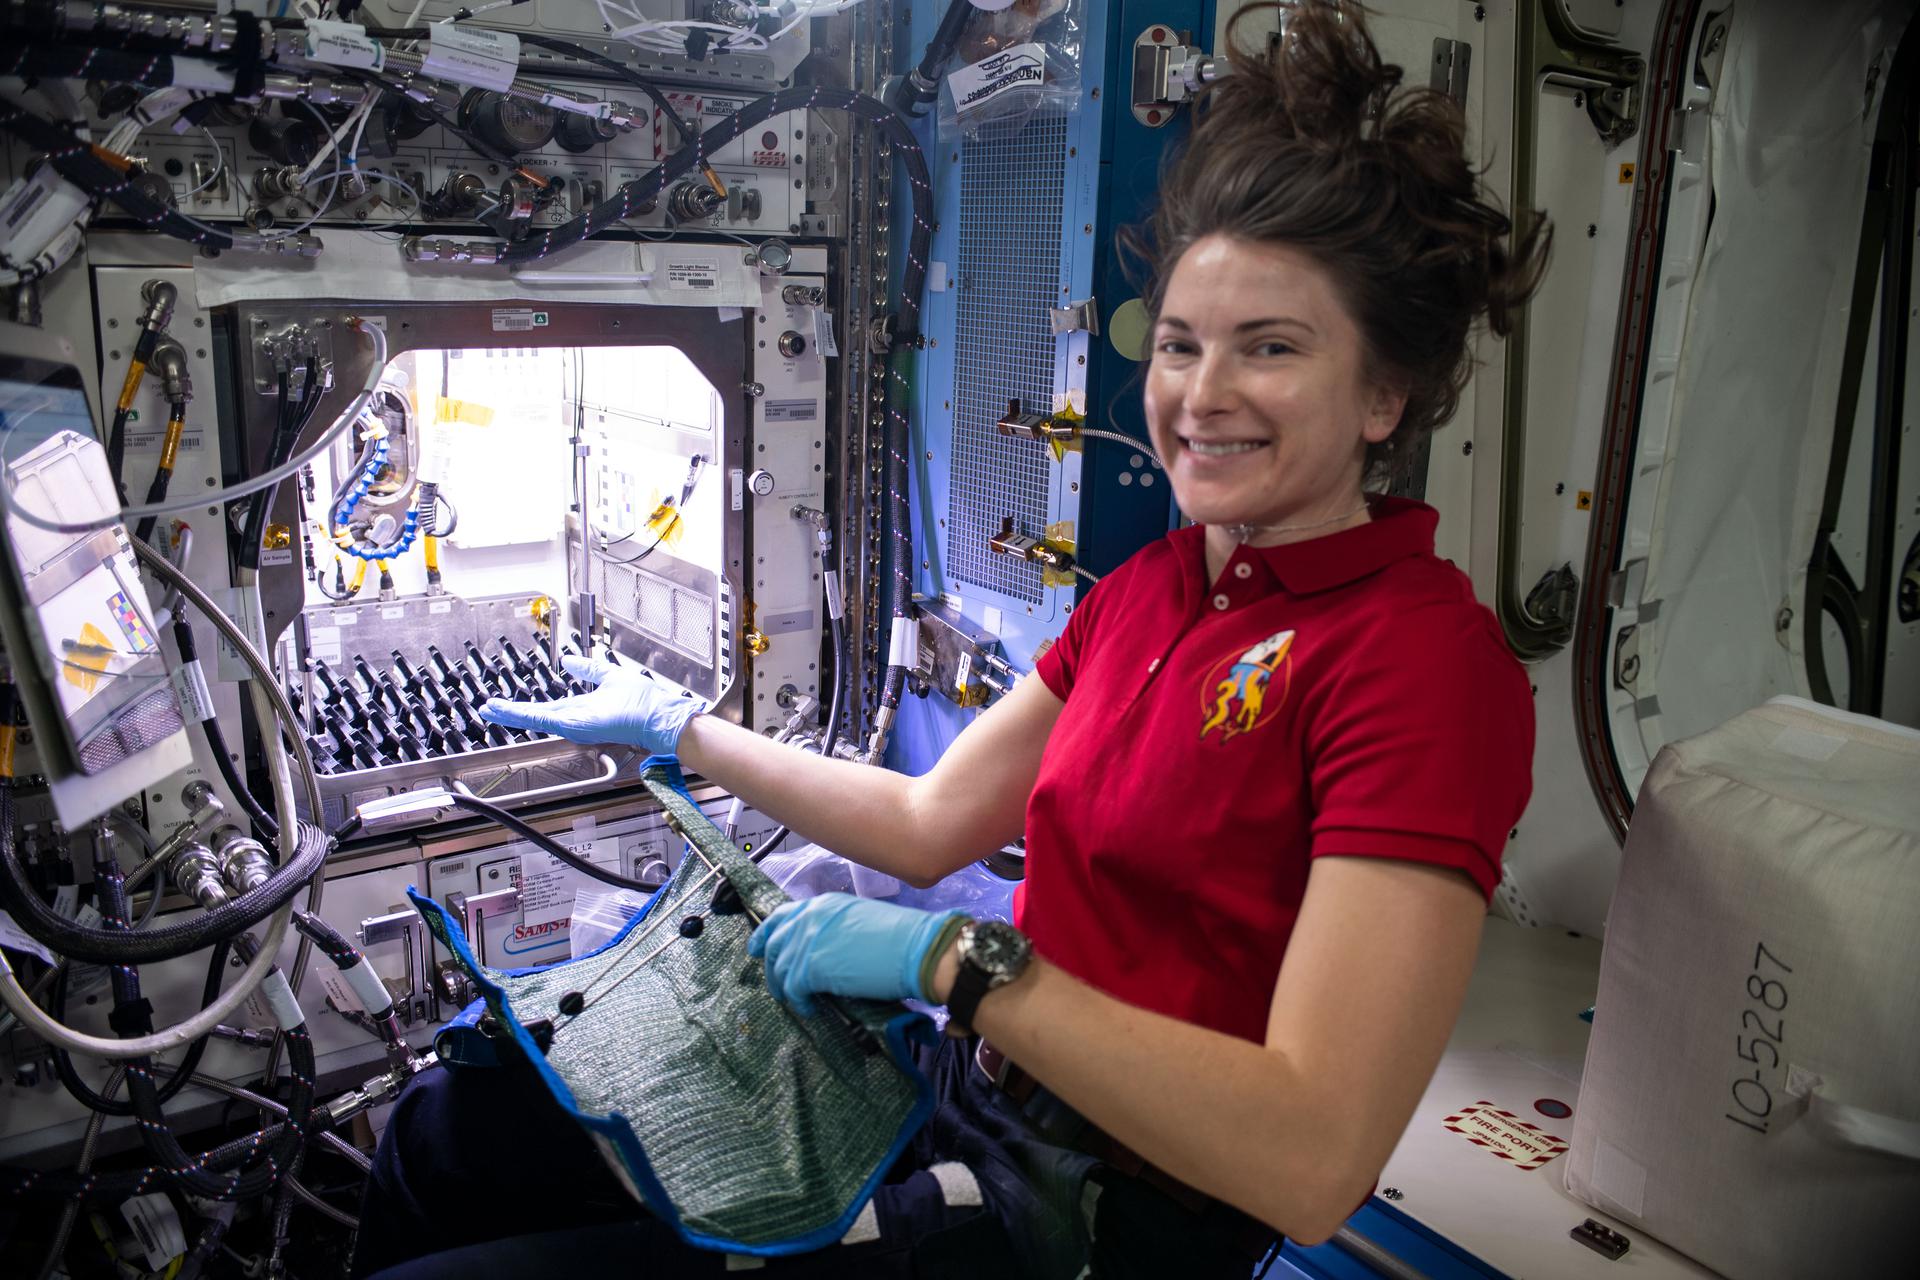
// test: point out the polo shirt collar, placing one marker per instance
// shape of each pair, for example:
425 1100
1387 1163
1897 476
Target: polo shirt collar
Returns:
1400 528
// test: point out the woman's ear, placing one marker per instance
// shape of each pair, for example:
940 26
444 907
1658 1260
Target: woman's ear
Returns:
1389 402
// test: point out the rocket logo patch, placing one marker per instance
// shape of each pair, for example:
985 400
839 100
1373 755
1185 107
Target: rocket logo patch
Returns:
1241 692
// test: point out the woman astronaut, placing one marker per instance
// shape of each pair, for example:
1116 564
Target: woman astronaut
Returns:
1265 776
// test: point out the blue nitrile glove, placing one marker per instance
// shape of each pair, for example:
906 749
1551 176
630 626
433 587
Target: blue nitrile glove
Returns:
629 707
837 944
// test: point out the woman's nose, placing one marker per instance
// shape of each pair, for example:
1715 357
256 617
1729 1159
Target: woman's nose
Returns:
1212 385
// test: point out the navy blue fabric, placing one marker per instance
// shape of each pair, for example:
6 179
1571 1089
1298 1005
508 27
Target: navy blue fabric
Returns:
480 1172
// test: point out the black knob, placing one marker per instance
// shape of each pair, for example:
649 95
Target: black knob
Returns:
509 124
287 139
578 133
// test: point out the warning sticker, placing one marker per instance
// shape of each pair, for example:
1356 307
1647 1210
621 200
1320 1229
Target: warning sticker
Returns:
1505 1135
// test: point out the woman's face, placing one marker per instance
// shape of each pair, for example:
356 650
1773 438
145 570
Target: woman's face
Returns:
1258 398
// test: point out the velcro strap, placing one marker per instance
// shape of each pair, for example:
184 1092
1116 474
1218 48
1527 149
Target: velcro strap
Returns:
133 1018
249 68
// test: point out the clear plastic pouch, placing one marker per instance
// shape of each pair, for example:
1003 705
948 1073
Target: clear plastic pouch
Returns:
1012 64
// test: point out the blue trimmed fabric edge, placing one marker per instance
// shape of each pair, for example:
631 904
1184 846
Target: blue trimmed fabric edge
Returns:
899 1031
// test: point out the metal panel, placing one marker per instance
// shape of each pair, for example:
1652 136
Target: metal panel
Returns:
1006 278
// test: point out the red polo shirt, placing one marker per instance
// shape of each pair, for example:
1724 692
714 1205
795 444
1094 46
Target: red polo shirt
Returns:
1344 695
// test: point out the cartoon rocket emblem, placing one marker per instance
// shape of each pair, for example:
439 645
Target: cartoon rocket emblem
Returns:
1239 700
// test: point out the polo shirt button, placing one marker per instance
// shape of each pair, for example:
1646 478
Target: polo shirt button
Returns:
1243 570
1221 602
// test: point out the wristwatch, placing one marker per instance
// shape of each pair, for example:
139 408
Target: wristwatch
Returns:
992 954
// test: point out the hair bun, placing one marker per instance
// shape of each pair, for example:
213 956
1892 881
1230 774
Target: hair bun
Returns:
1319 79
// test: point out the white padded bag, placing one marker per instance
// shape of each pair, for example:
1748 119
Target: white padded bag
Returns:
1752 1087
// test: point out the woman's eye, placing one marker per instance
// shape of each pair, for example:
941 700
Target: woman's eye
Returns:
1173 347
1275 349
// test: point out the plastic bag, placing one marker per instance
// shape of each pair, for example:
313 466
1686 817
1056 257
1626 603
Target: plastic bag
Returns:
1012 64
811 870
598 915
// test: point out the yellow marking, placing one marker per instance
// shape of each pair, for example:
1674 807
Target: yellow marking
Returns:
131 386
1626 174
89 661
170 445
1584 501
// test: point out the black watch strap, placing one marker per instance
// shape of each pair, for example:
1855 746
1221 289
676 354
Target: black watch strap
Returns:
970 985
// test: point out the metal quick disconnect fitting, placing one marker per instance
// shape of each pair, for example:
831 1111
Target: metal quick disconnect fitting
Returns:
196 872
242 860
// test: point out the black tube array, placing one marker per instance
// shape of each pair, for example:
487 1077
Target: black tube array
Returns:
394 709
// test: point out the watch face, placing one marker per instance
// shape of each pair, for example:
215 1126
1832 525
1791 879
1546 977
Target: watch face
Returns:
998 948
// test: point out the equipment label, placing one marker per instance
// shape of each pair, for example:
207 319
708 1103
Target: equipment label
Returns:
277 556
823 332
440 606
472 56
343 44
792 411
393 611
518 319
139 441
693 273
1505 1135
976 85
191 692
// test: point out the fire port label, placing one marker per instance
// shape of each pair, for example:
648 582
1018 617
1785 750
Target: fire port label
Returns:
1505 1135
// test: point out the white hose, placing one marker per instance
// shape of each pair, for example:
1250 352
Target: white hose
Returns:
37 1021
9 508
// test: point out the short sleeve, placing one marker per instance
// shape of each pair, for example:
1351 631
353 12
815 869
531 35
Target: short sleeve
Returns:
1060 665
1423 749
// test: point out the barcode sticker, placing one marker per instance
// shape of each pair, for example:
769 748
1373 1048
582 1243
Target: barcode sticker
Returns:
472 56
792 411
700 273
518 319
823 332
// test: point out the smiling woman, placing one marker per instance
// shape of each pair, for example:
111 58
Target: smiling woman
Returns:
1313 276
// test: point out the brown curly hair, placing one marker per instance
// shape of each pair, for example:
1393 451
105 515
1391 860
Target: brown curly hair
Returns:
1314 143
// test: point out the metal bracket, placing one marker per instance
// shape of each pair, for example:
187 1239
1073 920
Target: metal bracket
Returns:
1452 61
1076 317
1168 70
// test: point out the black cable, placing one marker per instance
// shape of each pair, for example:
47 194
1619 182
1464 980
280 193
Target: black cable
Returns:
332 943
132 1017
441 500
118 947
163 473
632 77
75 161
265 825
486 809
911 93
84 1093
292 419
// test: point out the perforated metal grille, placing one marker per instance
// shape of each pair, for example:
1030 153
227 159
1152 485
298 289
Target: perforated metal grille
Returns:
1007 276
664 610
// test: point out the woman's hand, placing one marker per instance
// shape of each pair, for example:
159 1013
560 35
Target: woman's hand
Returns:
628 707
837 944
